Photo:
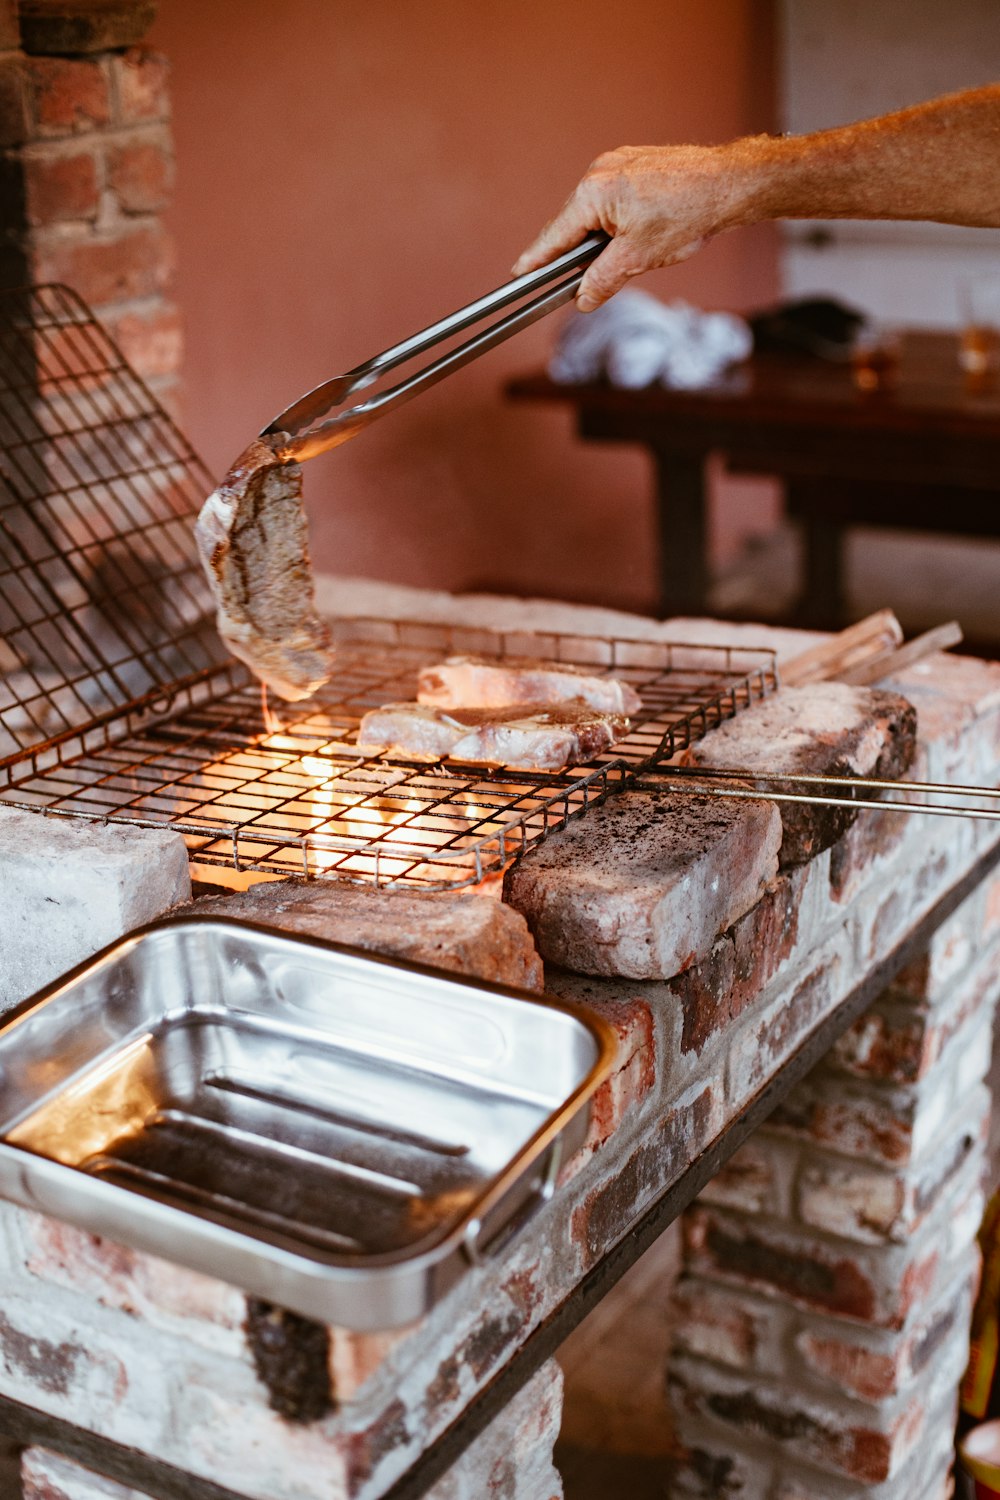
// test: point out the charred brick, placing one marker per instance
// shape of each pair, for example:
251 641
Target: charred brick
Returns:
75 27
52 1366
291 1356
367 1449
744 1410
837 1285
489 1340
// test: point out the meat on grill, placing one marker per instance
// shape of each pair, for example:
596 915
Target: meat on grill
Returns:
525 737
483 682
254 544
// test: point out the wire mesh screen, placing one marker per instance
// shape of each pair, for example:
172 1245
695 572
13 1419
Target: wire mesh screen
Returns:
103 605
118 701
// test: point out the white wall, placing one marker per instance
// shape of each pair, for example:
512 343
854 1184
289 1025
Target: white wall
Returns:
845 60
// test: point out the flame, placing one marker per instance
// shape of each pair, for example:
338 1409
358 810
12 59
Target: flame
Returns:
272 723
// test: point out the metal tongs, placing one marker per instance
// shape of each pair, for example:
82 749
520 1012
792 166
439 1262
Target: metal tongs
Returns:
307 440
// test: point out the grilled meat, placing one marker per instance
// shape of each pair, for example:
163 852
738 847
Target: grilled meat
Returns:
525 737
254 544
482 682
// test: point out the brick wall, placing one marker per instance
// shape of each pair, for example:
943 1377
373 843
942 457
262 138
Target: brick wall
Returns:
87 167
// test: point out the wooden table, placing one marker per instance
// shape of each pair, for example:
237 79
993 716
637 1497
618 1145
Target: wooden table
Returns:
923 454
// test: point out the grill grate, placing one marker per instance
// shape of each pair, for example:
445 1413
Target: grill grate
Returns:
119 702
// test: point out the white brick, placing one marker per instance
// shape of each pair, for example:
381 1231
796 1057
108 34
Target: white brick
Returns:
70 887
513 1457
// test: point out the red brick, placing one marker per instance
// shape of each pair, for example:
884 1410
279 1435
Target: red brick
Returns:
896 1042
755 1179
142 78
716 990
804 1271
705 992
756 1053
69 94
137 264
712 1323
794 1424
868 1374
152 341
606 1213
13 101
60 188
140 174
875 836
870 1128
895 914
766 937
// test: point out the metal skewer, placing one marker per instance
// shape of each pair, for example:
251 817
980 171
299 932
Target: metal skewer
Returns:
706 779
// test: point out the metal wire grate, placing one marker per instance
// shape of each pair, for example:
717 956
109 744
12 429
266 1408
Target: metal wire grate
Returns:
103 607
119 703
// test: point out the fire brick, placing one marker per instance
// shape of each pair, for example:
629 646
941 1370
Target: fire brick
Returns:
61 188
462 933
826 729
643 885
68 94
90 882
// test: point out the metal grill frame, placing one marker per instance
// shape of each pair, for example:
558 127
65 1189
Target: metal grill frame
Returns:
117 736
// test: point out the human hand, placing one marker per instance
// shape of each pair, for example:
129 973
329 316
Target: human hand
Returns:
659 203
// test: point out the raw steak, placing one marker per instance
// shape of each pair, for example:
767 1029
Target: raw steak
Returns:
254 544
482 682
530 737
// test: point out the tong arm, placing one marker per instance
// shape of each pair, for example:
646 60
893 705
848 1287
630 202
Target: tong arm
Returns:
307 443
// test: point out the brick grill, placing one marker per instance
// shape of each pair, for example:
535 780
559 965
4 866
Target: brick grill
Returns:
823 1308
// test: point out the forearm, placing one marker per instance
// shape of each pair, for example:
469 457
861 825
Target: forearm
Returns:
937 161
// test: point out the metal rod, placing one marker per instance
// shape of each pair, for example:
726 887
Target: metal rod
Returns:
704 780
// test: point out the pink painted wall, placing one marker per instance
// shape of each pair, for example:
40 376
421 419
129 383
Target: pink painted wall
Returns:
348 173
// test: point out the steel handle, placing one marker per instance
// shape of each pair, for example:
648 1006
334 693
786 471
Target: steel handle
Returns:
456 322
296 419
485 1238
347 424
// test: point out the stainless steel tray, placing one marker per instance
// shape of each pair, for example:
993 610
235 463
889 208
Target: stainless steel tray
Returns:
335 1132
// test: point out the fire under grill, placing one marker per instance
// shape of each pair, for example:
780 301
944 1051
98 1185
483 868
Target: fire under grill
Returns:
119 702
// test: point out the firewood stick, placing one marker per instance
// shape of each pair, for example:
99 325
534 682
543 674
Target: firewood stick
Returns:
873 636
891 662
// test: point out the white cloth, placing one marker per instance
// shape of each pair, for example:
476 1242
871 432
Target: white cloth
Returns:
635 339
